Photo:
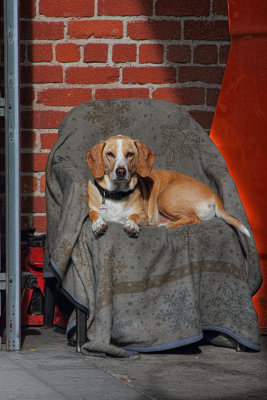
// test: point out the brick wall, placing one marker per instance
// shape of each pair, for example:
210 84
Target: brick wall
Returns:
77 50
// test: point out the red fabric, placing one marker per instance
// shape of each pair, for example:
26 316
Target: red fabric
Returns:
240 123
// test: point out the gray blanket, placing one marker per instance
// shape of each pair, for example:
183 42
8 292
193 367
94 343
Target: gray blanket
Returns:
168 287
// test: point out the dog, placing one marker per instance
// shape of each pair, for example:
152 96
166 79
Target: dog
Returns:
125 189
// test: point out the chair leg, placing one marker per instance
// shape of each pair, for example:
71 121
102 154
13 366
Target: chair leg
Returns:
80 328
49 304
239 347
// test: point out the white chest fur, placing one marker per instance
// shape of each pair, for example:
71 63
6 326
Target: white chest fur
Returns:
117 211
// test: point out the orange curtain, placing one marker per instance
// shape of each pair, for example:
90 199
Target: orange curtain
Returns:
240 123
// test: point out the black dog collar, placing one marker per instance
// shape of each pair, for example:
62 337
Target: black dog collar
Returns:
106 194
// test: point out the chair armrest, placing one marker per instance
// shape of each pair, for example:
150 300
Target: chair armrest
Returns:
216 170
227 189
67 207
74 193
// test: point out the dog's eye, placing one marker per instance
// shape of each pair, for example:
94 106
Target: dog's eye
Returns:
129 154
110 154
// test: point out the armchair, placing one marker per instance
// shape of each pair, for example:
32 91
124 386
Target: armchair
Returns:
168 287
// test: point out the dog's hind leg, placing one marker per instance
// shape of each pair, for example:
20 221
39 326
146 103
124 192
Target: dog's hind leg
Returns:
175 204
184 220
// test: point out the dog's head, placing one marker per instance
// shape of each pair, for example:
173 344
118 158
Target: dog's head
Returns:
120 158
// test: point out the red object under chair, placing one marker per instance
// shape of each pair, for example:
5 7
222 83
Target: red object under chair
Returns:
240 123
32 300
33 262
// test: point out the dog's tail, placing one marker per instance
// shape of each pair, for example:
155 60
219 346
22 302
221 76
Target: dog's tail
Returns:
221 213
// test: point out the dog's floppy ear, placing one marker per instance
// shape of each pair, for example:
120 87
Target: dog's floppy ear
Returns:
95 160
145 159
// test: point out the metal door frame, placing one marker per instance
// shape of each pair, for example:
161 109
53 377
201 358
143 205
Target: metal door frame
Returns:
12 168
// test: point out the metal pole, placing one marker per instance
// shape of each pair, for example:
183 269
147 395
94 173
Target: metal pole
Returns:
12 151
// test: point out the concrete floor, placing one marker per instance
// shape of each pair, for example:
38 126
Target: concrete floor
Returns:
48 369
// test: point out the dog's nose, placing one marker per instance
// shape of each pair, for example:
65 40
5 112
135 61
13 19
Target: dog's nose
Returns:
121 171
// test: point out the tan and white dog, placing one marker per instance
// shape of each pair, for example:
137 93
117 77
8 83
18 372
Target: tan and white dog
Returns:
126 190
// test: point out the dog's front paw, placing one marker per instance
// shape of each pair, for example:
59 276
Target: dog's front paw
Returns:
99 226
131 228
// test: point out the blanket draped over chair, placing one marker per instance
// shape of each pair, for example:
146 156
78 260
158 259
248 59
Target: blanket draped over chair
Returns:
168 287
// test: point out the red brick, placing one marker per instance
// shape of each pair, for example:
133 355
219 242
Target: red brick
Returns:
42 74
144 75
182 8
205 54
64 97
28 139
208 30
166 29
179 53
33 204
22 52
125 7
151 53
124 53
220 7
212 96
92 75
96 52
39 30
188 95
39 223
33 162
204 118
27 8
202 74
223 53
40 52
40 119
26 222
67 8
28 184
95 28
121 93
68 52
48 140
27 95
42 183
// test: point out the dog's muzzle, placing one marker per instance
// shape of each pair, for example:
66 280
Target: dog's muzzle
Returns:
120 172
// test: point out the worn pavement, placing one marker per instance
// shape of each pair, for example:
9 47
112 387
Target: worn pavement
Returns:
47 368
